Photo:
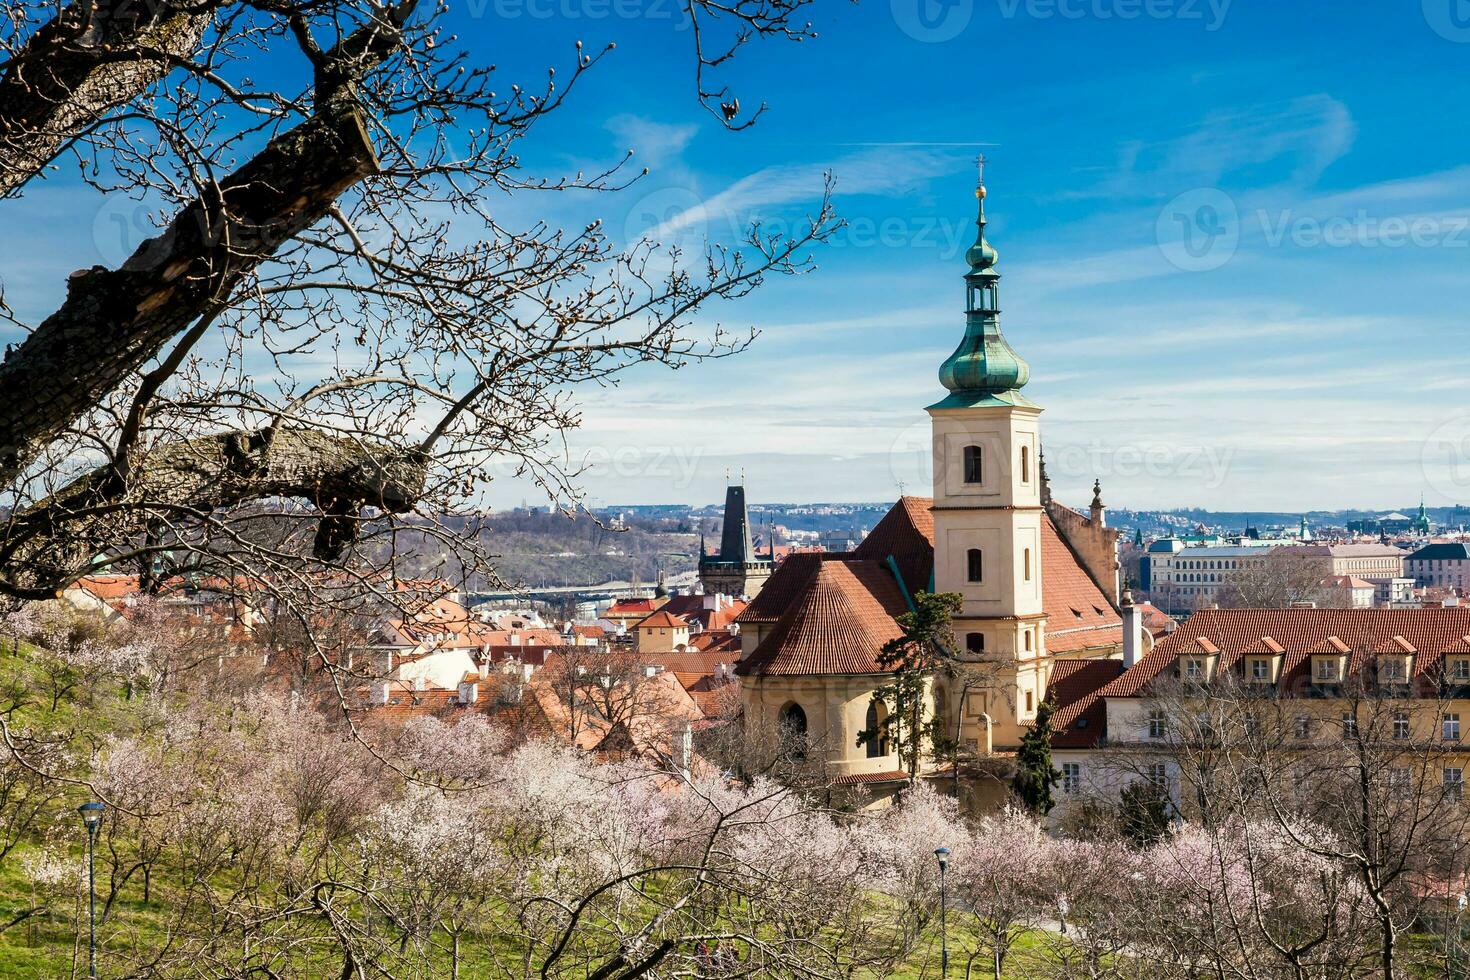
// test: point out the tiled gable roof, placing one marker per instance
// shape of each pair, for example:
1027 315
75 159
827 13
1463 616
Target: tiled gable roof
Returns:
661 620
1078 614
1080 717
1301 633
837 626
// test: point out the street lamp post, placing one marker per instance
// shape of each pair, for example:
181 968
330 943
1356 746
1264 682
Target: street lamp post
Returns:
942 854
92 818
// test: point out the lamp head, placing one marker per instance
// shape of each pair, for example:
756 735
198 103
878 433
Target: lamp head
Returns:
942 853
92 814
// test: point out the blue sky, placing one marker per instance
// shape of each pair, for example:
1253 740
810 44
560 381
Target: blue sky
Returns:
1235 240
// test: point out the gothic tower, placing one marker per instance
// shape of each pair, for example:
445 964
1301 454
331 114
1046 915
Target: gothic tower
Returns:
987 505
737 570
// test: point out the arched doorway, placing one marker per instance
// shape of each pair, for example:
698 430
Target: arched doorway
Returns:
792 722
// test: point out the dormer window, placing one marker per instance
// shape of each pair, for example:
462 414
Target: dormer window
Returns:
974 471
1460 669
1260 670
1326 670
1194 669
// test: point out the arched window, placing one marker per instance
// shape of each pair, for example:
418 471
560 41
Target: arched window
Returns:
793 730
974 565
973 466
877 744
975 642
1026 560
1025 464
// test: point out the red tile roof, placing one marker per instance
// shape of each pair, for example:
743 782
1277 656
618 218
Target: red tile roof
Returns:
837 626
906 533
1080 616
785 585
661 620
1300 633
1080 718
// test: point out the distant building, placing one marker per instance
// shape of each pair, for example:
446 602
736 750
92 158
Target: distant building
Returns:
736 570
1446 565
1373 562
1184 579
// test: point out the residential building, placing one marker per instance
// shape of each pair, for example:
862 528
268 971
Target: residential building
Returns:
1443 564
1330 661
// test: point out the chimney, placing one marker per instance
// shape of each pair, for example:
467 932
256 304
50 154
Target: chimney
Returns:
419 684
722 671
515 639
650 670
469 692
681 748
1132 629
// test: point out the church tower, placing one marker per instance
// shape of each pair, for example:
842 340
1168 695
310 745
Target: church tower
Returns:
988 506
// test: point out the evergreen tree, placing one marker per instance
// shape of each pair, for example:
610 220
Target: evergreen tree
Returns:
914 658
1035 775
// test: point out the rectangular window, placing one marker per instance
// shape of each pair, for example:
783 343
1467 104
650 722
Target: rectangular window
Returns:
1399 781
1326 670
1303 726
1349 726
1460 670
1156 724
1401 725
974 565
973 472
1193 669
1450 730
1029 703
1071 777
1158 775
1393 670
1454 783
1258 670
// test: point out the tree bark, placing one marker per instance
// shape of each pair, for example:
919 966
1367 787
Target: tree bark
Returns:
48 546
88 61
112 322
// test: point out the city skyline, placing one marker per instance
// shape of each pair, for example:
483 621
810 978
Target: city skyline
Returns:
1287 356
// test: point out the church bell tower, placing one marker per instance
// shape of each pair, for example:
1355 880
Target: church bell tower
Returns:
987 501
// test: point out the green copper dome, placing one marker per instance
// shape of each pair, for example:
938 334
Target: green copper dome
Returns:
983 367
